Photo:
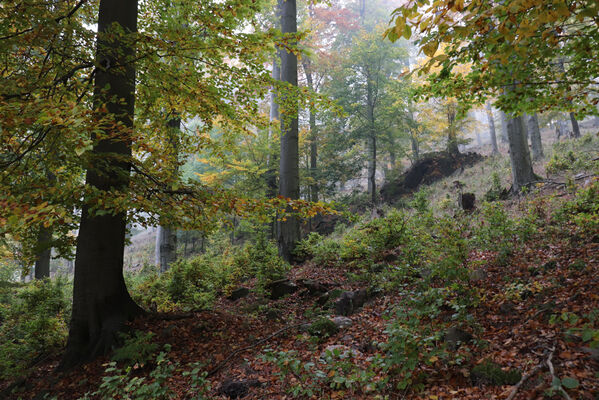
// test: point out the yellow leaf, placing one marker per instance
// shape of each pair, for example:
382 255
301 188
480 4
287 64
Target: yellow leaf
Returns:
433 359
430 48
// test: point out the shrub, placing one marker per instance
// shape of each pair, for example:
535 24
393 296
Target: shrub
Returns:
196 282
34 322
137 348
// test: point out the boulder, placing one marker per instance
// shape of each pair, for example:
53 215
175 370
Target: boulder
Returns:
490 373
280 288
237 389
467 201
314 288
454 337
478 275
348 302
342 322
239 293
323 327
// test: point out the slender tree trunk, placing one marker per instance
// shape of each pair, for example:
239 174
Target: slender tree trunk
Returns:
504 121
492 133
313 134
274 117
288 229
452 138
522 173
101 302
44 247
573 121
535 136
372 150
575 127
415 147
166 236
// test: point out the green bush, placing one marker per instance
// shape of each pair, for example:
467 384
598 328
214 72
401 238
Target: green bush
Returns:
33 323
195 283
137 348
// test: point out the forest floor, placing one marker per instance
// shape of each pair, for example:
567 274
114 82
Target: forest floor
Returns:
529 318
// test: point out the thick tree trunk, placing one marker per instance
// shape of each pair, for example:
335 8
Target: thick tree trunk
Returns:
492 133
44 247
288 230
535 136
165 253
522 173
504 121
575 127
101 302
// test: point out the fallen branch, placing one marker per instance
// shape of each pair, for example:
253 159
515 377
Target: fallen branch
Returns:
554 377
236 352
531 373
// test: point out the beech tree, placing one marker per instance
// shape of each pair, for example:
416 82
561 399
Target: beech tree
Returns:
492 134
515 45
288 227
101 302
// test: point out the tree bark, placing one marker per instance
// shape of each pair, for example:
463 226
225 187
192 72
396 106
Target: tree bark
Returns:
288 229
313 134
166 248
492 133
535 136
44 247
101 302
522 173
415 147
165 253
504 121
575 127
372 150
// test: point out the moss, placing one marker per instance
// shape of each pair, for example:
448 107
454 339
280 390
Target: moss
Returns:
490 373
323 327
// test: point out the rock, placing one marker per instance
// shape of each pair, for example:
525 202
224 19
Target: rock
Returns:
339 351
314 288
342 322
237 389
345 304
273 315
323 327
467 201
454 337
490 373
593 354
478 275
239 293
428 169
281 288
348 302
322 299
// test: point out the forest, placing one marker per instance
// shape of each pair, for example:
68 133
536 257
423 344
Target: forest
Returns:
299 199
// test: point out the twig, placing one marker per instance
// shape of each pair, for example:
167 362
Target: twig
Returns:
233 354
553 377
527 376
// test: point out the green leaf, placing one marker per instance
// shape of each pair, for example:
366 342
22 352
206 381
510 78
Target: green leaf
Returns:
570 383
